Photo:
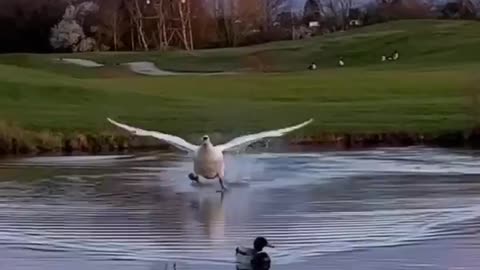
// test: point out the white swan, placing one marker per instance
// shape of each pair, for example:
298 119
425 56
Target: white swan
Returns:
208 159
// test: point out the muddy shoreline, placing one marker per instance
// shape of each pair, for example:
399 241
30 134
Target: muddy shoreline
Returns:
121 143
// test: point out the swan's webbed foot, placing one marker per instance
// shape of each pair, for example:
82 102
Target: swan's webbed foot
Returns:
224 188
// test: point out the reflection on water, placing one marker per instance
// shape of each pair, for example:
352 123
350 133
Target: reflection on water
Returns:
140 211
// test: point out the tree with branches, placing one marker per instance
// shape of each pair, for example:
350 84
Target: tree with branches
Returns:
69 33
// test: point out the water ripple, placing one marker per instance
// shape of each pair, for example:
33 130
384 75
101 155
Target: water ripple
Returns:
308 204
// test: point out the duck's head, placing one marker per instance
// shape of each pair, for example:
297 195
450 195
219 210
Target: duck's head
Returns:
205 139
260 243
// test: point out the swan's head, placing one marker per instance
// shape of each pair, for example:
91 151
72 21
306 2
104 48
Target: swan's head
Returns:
205 139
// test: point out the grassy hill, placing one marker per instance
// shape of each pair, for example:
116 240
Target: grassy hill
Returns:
433 88
422 43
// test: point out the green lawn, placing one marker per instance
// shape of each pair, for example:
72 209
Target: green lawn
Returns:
431 89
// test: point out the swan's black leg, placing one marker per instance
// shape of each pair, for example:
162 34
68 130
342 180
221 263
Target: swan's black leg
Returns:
224 188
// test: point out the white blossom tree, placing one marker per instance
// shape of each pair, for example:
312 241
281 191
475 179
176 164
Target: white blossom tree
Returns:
69 34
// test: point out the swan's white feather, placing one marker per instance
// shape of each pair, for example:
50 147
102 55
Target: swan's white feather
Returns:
173 140
248 139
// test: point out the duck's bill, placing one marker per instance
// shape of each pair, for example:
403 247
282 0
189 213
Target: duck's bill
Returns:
270 246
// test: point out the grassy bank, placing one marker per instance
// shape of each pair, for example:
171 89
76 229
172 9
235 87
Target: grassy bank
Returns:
432 92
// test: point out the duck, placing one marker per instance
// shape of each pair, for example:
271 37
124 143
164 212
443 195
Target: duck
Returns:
384 58
340 62
312 66
254 258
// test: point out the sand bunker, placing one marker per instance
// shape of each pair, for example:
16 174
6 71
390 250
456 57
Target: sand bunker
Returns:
142 68
81 62
149 68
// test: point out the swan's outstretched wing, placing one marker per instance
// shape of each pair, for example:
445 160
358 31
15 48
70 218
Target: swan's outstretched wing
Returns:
173 140
248 139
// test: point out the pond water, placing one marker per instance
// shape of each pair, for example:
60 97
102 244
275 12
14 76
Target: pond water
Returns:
393 208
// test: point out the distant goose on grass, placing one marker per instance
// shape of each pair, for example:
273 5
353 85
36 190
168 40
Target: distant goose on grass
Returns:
208 159
312 66
340 62
384 58
396 55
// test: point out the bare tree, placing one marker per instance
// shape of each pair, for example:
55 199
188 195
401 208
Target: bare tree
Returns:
161 24
136 17
334 13
204 25
111 24
247 19
183 7
272 8
404 9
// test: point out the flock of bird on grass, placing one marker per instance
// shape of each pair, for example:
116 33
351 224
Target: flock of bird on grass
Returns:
393 57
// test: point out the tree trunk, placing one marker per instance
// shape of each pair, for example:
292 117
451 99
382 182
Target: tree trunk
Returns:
233 24
139 22
184 26
226 25
132 34
115 30
162 35
189 14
